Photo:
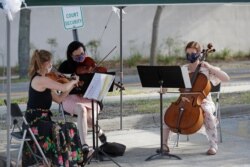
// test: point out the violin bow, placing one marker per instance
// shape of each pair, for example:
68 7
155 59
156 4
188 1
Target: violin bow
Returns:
105 56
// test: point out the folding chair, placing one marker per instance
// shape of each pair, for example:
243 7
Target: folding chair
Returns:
22 134
215 90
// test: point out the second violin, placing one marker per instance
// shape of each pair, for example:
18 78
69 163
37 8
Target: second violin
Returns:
89 66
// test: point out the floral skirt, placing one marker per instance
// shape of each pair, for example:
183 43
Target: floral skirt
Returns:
60 142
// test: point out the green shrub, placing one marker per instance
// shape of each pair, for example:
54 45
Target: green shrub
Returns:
134 59
225 54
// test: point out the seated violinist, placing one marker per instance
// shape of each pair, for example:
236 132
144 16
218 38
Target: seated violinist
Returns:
38 114
76 104
215 75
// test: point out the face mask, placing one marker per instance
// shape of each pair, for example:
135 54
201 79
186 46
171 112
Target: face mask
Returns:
79 58
192 57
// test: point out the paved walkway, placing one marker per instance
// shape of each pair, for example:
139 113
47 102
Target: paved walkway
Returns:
141 135
143 141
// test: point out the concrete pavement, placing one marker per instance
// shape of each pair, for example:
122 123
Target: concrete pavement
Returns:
141 135
141 143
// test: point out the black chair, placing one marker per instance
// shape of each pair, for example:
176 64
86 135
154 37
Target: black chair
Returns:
23 134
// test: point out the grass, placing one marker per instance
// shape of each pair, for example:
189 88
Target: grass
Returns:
145 106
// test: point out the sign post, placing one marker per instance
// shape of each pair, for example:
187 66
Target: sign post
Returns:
73 19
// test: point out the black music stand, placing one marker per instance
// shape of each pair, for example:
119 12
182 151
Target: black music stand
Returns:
163 77
94 99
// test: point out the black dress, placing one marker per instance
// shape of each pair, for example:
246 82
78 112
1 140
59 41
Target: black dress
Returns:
59 141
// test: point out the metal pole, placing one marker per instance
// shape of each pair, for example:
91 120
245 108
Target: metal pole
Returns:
8 92
75 35
121 67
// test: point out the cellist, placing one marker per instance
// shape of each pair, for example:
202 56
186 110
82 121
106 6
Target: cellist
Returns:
213 74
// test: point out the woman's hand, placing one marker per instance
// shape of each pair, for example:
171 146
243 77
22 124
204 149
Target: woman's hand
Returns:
206 65
216 71
75 80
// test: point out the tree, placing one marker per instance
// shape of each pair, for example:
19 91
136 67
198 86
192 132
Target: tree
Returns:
153 56
170 45
53 44
23 42
93 46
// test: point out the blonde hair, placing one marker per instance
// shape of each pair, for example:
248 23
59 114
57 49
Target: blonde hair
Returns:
38 58
194 45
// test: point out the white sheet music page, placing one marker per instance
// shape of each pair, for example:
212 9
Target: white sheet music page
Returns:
185 76
99 86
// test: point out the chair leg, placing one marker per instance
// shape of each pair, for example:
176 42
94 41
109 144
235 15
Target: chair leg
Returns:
21 147
187 137
178 138
39 147
219 118
34 155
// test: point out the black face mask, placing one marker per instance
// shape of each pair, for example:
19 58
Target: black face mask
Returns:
192 57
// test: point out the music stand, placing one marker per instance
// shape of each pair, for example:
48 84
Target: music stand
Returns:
86 78
163 77
97 94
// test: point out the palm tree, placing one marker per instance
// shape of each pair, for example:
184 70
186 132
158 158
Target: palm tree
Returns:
53 44
23 42
153 56
93 45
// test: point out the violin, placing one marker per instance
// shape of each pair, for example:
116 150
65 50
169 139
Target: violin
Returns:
187 117
90 66
57 77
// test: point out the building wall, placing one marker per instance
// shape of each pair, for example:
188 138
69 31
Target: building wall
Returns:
226 26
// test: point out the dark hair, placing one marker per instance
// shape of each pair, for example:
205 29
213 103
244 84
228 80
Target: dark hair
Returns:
72 47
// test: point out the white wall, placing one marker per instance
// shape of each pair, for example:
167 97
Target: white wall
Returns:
226 26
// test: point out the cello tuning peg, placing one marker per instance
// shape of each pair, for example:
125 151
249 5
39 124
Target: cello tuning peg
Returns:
209 45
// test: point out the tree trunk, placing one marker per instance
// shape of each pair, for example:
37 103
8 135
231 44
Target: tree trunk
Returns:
24 42
153 56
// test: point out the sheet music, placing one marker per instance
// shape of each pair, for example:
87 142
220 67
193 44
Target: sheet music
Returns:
185 76
99 86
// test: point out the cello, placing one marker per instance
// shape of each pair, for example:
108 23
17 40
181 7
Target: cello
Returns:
187 117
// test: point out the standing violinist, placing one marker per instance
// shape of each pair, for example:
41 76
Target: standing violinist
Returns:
77 104
215 75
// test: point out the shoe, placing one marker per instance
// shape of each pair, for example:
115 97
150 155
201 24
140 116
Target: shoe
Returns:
103 138
165 149
85 151
211 151
85 148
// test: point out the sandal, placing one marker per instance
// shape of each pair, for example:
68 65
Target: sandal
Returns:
102 137
85 151
165 149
